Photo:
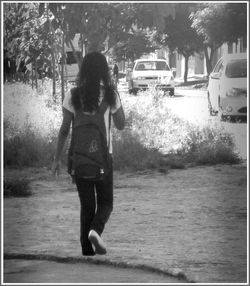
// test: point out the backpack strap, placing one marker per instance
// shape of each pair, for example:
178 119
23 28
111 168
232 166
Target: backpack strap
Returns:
103 106
102 109
109 135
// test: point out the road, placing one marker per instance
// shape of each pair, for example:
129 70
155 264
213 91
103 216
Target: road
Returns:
191 105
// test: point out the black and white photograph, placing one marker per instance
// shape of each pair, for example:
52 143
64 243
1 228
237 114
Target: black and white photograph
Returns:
124 142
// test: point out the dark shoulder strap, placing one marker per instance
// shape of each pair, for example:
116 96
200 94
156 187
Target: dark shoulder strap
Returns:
102 109
103 106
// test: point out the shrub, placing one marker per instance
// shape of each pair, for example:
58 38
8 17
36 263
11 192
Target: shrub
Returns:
152 130
31 123
28 148
130 153
209 145
18 187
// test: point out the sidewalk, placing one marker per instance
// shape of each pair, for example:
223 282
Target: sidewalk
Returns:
188 224
193 81
82 271
198 81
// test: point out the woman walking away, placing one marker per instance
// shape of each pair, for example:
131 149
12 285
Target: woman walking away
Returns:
90 106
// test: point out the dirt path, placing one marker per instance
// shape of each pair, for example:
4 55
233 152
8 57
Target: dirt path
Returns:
191 221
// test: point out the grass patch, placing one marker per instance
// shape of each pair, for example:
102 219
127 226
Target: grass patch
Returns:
19 187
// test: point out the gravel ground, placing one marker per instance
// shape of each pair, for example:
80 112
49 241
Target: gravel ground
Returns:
191 221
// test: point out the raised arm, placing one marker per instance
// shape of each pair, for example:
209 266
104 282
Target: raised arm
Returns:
119 118
118 113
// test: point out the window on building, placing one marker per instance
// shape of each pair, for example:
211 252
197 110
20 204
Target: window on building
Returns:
230 48
243 45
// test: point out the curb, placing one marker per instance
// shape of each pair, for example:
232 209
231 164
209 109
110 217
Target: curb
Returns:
178 273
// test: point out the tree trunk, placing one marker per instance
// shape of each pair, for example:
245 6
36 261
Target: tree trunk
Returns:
32 75
62 67
53 70
82 43
51 30
74 53
36 74
186 68
209 60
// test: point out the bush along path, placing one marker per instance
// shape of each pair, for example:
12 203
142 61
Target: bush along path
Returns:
151 130
189 223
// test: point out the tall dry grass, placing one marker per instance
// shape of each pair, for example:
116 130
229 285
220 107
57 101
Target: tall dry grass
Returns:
31 122
157 137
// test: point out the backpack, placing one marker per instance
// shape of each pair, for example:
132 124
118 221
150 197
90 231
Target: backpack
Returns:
89 156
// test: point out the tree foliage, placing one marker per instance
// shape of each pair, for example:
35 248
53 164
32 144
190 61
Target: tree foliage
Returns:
27 34
133 46
34 29
218 23
101 25
153 15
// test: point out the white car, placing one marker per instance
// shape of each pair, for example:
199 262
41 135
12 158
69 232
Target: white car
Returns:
227 86
151 72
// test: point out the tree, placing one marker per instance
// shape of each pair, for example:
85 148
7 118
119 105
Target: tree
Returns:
153 15
218 23
134 46
31 28
103 25
179 35
27 34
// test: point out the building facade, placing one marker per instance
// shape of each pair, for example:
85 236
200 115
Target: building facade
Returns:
197 63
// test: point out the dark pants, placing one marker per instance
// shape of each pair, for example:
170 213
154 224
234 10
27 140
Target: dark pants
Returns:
96 200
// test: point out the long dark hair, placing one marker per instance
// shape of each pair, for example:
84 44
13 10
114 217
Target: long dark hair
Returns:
94 68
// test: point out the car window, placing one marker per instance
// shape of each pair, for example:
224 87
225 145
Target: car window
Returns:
236 68
219 67
151 65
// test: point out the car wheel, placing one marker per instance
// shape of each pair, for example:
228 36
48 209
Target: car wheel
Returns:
135 91
221 116
132 91
171 92
210 107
